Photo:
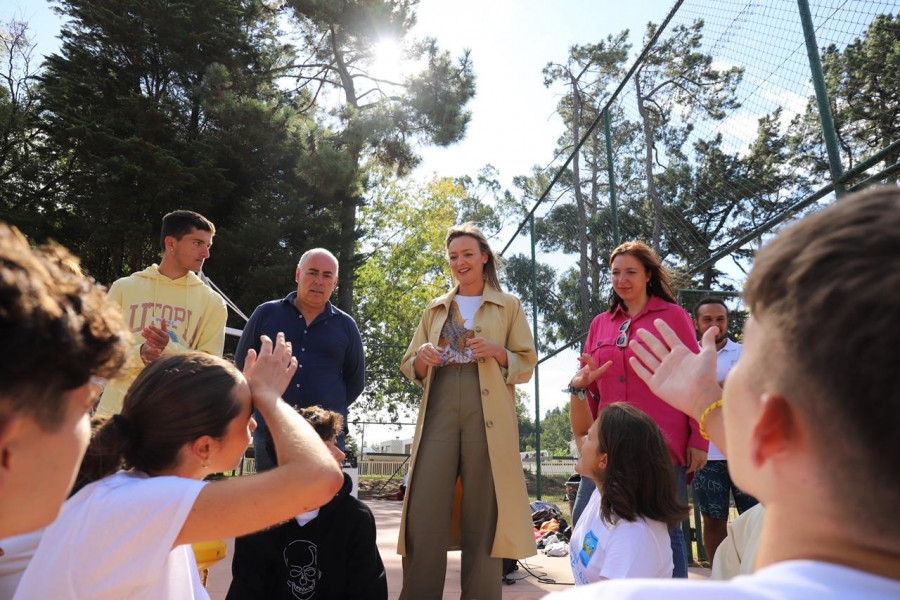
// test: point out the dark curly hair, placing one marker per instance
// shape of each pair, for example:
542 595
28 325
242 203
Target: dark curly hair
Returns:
57 327
327 423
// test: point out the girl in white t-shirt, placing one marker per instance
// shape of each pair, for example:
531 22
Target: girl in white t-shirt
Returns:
128 534
624 530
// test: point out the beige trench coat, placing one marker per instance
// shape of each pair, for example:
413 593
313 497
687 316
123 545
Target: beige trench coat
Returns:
499 319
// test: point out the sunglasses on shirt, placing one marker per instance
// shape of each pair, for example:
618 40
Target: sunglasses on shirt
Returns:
622 340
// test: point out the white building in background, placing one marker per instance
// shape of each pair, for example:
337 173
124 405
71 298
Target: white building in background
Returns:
395 446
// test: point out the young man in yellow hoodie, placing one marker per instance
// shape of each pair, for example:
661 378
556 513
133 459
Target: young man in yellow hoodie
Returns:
167 308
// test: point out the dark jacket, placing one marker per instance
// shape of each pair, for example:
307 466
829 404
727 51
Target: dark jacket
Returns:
333 557
331 363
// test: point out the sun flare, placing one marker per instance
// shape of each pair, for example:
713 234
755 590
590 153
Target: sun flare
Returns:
389 60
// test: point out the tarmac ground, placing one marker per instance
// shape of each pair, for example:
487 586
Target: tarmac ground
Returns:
387 519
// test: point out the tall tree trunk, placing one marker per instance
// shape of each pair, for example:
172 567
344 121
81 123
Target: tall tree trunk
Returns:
594 242
350 202
347 253
648 165
584 286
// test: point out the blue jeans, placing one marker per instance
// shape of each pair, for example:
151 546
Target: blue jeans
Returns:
585 489
676 535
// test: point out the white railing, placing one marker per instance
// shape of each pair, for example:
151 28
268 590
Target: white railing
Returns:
552 466
383 467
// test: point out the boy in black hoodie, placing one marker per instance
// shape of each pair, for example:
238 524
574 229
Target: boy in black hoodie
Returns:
325 554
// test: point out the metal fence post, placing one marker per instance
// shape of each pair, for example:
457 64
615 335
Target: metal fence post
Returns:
613 208
818 78
537 379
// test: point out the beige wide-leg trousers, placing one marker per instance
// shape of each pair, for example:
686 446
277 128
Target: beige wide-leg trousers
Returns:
453 444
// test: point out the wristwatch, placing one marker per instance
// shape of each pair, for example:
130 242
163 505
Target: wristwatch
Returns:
580 392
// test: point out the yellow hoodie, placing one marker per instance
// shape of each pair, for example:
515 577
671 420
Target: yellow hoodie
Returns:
195 317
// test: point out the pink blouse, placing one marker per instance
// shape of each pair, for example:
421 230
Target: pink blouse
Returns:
621 384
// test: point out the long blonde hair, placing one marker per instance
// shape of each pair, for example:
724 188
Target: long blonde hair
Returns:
491 267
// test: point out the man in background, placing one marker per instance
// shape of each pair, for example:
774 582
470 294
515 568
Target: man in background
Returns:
167 308
713 487
324 339
809 415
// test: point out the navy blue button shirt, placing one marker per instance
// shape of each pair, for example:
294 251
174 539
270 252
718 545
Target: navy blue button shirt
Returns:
329 351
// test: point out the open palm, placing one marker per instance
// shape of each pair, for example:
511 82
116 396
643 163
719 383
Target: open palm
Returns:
685 380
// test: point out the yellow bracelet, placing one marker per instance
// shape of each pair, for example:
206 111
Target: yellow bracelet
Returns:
709 409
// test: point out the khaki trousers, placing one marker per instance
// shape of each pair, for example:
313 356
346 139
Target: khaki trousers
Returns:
453 445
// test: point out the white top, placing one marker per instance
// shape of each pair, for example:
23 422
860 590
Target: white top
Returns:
728 356
468 306
306 517
16 554
599 551
736 555
790 580
113 541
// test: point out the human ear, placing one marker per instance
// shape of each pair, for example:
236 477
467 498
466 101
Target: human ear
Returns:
774 431
8 427
202 448
603 461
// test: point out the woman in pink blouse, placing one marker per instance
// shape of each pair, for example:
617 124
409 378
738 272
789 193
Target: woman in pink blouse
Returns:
642 293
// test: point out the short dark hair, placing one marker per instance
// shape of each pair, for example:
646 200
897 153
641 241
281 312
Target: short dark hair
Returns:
660 283
57 327
327 423
827 288
179 223
174 401
639 480
708 300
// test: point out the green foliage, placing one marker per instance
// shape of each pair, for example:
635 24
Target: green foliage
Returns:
378 121
405 269
863 84
153 107
556 431
676 82
19 137
526 424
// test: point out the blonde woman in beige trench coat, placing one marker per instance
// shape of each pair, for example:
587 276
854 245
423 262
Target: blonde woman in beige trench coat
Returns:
466 486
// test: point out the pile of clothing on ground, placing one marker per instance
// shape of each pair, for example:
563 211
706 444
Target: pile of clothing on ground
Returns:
551 531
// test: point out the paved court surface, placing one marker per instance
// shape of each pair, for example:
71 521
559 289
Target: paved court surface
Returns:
387 518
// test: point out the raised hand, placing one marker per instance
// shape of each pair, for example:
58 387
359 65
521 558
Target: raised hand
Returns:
270 371
589 373
685 380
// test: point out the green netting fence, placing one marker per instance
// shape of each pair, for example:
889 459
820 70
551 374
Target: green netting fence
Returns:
701 136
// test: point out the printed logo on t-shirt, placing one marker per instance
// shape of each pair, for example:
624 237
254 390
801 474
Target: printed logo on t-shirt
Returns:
302 561
587 548
454 336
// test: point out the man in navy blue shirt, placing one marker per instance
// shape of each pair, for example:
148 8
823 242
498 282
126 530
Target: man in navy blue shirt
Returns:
324 339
